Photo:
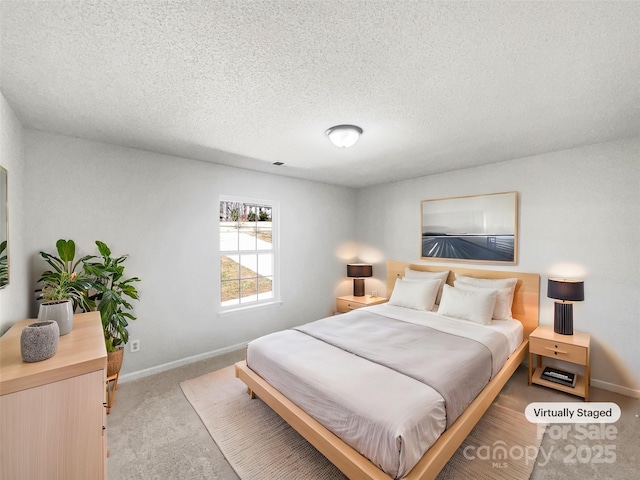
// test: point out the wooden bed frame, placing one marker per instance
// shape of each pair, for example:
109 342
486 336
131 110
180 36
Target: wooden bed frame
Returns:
356 466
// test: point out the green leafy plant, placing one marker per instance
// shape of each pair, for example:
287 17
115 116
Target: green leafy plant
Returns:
64 282
112 292
4 264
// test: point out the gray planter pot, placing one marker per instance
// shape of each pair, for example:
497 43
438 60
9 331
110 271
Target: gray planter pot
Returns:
61 311
39 341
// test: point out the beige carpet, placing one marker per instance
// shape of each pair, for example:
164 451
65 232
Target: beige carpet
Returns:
260 445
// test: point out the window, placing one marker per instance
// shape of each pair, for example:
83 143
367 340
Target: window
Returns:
248 253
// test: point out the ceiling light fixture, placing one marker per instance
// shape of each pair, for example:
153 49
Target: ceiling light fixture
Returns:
344 136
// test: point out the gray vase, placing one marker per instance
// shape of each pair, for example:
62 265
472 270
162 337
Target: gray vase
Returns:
39 341
61 311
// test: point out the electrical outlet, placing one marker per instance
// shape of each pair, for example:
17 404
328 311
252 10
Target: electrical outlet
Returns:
134 346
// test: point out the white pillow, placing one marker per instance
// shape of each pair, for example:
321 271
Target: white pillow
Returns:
495 283
473 306
502 310
434 285
416 274
416 295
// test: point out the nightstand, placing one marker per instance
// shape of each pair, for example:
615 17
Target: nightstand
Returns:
349 302
544 342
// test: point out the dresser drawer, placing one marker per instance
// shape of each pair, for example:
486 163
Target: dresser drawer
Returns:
344 306
559 350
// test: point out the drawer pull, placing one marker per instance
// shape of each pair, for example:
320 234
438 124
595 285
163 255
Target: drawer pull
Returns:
555 350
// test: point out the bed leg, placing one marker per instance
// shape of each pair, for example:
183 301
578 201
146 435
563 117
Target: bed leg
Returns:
250 393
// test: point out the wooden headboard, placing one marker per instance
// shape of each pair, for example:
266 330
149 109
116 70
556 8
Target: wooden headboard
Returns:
526 298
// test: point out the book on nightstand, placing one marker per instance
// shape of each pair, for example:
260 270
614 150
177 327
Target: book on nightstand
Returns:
561 377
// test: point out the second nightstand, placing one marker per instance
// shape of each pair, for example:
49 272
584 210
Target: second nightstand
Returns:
544 342
349 302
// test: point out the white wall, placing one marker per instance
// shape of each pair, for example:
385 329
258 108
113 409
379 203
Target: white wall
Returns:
579 216
14 298
163 212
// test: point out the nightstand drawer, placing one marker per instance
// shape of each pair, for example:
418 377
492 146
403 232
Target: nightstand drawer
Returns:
349 302
559 350
344 306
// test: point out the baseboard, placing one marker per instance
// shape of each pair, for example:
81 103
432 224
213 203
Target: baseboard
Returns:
178 363
612 387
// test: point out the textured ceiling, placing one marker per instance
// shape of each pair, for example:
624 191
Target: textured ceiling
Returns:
436 86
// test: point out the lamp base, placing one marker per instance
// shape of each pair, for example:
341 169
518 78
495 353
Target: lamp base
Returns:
563 318
358 287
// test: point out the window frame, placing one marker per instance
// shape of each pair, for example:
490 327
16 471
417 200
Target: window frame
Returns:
275 251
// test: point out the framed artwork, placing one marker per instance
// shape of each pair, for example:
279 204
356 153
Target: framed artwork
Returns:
480 228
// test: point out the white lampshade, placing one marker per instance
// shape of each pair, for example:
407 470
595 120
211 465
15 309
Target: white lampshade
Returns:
344 136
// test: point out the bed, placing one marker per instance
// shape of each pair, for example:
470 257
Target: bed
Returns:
321 382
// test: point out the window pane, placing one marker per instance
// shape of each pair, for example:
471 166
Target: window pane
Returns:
229 267
264 237
251 213
230 292
247 238
228 236
265 288
230 211
265 264
264 214
248 290
248 266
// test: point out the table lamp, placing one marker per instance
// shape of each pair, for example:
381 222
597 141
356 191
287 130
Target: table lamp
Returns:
357 271
567 291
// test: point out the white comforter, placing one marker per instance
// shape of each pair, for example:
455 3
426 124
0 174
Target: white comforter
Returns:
392 418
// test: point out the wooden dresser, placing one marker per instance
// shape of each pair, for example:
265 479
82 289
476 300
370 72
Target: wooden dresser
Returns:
52 413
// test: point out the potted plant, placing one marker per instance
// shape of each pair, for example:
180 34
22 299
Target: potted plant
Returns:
64 289
112 292
4 265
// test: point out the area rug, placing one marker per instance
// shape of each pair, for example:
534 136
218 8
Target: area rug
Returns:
260 445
